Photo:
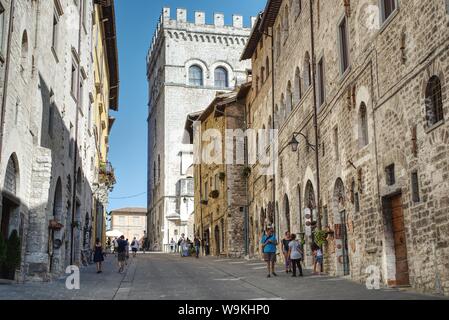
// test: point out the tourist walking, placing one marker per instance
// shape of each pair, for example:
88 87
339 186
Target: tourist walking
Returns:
172 245
295 254
285 249
269 244
197 243
98 255
135 247
121 253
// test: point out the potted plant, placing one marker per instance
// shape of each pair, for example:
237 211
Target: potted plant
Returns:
13 255
320 237
221 176
214 194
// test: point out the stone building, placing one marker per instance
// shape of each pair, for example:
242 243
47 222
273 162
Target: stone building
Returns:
130 221
221 217
372 76
105 99
46 176
188 62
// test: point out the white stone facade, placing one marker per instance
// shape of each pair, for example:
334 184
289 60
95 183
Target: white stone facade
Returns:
45 131
177 46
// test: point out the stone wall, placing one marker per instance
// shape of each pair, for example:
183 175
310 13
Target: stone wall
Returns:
390 66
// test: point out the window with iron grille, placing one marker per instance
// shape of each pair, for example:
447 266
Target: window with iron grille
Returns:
221 78
434 101
196 76
390 175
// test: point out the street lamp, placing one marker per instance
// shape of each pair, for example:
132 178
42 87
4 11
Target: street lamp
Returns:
294 143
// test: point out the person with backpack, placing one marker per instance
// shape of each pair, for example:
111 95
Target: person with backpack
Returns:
269 244
295 255
121 253
134 247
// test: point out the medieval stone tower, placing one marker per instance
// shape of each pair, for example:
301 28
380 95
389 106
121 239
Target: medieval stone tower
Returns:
187 64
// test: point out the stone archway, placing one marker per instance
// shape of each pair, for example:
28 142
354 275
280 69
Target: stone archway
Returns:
10 200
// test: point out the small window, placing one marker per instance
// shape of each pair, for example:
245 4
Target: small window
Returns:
363 123
221 78
344 50
387 8
434 101
390 175
357 202
336 146
74 80
321 81
196 76
415 187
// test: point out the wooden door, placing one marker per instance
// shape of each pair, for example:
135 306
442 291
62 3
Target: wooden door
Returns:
400 245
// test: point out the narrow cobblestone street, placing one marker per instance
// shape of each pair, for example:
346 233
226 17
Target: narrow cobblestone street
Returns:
170 277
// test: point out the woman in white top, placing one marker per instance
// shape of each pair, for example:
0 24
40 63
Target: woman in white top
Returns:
295 253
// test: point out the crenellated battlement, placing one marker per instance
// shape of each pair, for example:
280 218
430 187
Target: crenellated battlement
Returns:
199 25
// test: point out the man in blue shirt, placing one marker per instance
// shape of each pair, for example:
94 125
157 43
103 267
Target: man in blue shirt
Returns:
269 244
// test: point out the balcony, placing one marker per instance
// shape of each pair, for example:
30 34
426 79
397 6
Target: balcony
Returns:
106 174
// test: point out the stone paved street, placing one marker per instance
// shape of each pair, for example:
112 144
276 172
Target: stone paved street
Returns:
169 277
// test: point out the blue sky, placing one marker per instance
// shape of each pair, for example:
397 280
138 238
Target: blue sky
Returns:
136 20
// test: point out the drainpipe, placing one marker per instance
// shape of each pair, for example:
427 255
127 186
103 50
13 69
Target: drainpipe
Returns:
315 117
75 178
5 84
246 213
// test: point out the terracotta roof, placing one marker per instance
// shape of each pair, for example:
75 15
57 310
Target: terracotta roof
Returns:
270 13
254 38
110 33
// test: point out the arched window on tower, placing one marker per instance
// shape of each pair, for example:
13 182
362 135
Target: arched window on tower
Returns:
307 71
298 91
434 101
195 76
24 53
289 98
221 78
363 125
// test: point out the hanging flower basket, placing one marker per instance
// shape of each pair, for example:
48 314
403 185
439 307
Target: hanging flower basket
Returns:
221 176
214 194
55 225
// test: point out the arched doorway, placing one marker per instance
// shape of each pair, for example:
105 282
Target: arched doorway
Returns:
10 200
286 208
217 240
341 234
